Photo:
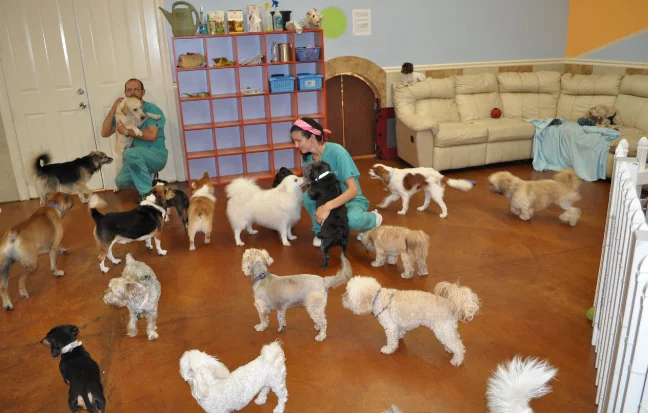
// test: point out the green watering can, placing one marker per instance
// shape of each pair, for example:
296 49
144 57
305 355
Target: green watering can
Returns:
181 19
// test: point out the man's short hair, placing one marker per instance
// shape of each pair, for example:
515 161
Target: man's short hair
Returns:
134 80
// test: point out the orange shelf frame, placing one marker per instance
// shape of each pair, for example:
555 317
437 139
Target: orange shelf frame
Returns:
241 122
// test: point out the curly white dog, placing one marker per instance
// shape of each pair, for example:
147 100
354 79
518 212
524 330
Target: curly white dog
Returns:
218 391
401 311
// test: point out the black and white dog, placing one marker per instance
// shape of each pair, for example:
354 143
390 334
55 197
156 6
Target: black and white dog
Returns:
280 175
175 198
78 369
323 187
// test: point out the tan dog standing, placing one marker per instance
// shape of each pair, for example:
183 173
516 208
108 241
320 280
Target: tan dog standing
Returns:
201 210
40 233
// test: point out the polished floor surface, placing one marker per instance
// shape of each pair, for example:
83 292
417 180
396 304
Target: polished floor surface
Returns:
536 280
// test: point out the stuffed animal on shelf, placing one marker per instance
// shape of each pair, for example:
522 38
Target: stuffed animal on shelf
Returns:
191 60
313 20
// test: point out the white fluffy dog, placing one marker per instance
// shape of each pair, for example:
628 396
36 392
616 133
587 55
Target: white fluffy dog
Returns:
390 241
280 293
130 113
515 383
218 391
277 208
403 183
400 311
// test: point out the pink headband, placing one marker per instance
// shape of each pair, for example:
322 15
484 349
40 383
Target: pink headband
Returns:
308 128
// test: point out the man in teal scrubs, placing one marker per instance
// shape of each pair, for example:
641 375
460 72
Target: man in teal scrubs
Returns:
147 155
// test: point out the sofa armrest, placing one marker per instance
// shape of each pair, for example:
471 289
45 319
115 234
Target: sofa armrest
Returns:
419 123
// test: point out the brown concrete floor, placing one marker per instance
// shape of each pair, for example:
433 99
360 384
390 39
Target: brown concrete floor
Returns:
536 280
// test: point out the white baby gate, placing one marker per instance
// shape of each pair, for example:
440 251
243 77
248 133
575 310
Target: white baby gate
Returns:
620 334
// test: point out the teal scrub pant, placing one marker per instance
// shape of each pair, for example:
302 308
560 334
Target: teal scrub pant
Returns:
359 218
139 164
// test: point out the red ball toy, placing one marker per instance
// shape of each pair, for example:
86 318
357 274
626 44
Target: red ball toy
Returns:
496 113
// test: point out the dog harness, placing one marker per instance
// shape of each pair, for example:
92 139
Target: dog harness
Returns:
71 346
385 307
260 277
57 206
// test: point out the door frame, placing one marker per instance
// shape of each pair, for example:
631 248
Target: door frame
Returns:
169 91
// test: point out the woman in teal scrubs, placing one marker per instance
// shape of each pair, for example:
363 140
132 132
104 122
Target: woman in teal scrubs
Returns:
309 137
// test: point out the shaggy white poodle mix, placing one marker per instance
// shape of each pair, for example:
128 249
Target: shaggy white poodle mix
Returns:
400 311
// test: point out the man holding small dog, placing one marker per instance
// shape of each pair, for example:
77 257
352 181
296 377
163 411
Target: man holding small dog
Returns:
148 154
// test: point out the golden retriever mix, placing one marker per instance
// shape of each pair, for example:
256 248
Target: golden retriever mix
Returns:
527 197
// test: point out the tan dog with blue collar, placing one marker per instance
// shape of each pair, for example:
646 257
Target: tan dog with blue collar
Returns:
40 233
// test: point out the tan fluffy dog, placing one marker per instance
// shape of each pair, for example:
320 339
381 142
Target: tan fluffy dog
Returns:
201 210
389 242
40 233
280 293
527 197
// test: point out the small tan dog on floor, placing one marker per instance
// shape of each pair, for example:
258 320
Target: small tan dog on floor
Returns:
527 197
201 210
40 233
389 242
280 293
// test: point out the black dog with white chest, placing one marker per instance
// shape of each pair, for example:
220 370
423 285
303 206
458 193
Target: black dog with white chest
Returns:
78 369
324 186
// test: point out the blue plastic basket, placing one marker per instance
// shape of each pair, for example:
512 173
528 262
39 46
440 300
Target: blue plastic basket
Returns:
309 81
308 54
282 83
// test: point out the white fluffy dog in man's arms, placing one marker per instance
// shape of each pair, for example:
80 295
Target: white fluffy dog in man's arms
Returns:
277 208
130 113
218 391
400 311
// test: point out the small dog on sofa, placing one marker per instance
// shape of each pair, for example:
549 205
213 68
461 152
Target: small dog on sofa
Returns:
67 177
42 232
138 289
218 391
400 311
403 183
390 241
177 199
280 293
409 76
323 187
277 208
130 114
527 197
78 369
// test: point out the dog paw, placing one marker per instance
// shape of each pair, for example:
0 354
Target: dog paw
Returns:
63 251
167 219
103 268
423 274
387 350
376 264
260 327
240 243
456 361
84 200
149 246
162 252
131 333
443 215
261 399
421 209
24 295
117 261
320 337
207 240
401 212
8 307
406 275
286 243
115 190
292 237
192 248
138 132
58 273
253 232
380 206
153 116
281 329
153 335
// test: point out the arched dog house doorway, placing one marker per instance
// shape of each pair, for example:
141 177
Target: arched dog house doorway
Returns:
356 90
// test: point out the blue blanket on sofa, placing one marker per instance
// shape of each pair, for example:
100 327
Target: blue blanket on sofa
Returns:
571 146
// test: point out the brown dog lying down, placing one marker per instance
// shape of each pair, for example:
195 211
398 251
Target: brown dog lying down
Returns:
40 233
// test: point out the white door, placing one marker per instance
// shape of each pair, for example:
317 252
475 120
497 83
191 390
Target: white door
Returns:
120 40
41 61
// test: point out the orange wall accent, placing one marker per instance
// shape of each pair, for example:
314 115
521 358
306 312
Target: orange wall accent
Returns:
595 23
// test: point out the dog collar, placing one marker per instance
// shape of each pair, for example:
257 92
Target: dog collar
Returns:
71 346
385 307
57 206
390 176
325 173
154 205
260 277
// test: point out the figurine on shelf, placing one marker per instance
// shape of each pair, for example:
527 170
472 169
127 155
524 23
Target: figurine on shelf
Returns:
313 20
222 61
191 60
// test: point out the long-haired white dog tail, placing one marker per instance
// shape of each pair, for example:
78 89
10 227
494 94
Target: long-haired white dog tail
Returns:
96 202
465 302
515 383
243 187
343 275
460 184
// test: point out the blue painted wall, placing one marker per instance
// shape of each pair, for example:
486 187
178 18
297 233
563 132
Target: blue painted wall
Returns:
440 31
634 49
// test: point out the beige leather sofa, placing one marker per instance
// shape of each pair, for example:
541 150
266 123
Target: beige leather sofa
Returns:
446 123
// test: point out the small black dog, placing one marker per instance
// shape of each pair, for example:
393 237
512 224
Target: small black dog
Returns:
283 172
324 186
78 369
178 199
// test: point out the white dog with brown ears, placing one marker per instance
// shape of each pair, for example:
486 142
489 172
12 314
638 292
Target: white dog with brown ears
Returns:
403 183
218 391
130 113
389 242
400 311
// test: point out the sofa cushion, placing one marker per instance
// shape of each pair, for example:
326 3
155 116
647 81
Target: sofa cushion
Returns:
439 109
459 133
529 95
501 130
422 105
477 95
580 92
632 102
